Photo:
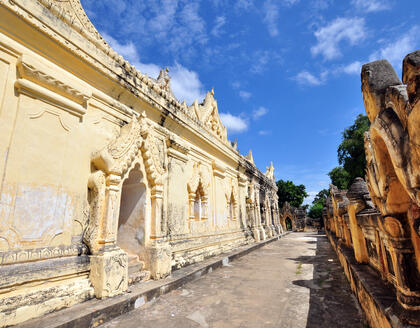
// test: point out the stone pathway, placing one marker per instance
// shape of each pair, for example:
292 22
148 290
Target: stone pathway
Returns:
294 282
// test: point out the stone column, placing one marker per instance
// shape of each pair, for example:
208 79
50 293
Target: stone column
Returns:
253 220
109 265
359 244
258 214
267 220
242 202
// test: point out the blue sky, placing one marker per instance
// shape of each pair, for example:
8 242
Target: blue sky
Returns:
285 72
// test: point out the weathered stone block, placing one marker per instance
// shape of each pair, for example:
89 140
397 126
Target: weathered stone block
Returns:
109 273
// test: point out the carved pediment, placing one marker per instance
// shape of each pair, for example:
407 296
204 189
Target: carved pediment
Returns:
117 157
120 152
72 12
207 113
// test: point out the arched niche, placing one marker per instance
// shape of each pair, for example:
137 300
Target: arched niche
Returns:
133 221
231 207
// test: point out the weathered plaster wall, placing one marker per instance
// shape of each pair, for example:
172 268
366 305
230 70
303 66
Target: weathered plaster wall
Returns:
106 177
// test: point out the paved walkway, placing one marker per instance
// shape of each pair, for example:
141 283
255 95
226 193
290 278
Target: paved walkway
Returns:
294 282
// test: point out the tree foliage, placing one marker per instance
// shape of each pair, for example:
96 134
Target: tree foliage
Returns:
315 212
351 154
291 193
340 177
351 151
321 196
318 203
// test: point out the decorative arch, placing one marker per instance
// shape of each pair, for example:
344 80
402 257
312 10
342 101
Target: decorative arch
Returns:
231 195
134 144
198 192
133 228
287 211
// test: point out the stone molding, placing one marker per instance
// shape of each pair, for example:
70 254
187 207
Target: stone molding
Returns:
44 253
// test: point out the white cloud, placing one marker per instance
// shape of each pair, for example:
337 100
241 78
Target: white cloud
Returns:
234 123
329 37
394 51
245 95
264 132
371 5
150 69
290 2
128 50
219 22
186 84
271 16
236 85
310 198
244 4
307 78
171 26
320 4
257 113
261 58
352 68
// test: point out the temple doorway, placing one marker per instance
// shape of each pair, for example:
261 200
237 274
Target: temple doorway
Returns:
288 224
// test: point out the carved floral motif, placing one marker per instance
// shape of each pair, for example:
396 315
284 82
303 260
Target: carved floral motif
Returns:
207 113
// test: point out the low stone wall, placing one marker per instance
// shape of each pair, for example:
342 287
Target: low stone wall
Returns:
377 299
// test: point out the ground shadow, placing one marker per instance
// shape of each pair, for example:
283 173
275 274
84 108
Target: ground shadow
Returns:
331 302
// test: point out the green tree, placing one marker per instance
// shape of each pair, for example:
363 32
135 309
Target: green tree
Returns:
289 192
351 151
318 203
321 196
351 154
315 212
340 177
305 207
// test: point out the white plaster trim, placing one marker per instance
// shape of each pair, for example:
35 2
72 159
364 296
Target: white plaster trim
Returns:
178 155
23 85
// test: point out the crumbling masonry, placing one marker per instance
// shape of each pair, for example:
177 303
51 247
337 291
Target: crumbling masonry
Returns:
375 226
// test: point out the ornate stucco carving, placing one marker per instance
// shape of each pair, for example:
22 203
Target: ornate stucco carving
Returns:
164 81
269 173
231 190
73 14
67 70
44 253
200 176
137 135
208 114
92 236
